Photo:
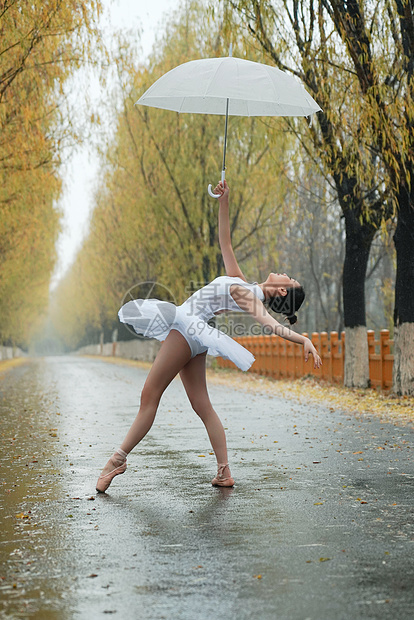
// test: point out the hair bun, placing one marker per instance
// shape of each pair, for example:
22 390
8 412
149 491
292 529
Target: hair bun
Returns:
292 319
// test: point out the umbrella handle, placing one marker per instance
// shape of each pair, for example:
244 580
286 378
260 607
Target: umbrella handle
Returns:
210 187
210 191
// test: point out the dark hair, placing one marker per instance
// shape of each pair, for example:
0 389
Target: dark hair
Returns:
289 304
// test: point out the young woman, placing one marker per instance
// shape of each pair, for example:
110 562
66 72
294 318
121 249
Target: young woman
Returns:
187 338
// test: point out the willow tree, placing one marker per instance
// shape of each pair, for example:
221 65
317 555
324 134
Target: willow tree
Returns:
380 45
299 37
41 42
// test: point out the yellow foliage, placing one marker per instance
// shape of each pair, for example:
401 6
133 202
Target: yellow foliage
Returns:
40 43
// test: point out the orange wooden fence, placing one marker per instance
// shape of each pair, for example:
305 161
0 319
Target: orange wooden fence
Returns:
281 359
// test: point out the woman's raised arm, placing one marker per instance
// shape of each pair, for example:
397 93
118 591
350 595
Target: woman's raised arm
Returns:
230 263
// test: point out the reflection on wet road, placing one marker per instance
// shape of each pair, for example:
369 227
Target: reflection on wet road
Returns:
318 526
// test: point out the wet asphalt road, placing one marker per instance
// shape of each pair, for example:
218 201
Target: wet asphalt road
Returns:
319 524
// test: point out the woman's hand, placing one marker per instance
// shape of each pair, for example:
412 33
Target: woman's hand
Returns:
223 189
309 348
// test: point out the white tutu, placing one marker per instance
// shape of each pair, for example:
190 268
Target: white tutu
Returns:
155 319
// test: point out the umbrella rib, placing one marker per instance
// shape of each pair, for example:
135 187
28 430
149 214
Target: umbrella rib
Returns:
215 73
273 84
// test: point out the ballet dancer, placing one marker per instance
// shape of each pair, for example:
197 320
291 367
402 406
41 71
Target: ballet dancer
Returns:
187 338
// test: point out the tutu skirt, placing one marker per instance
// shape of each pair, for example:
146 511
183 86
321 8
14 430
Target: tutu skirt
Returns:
153 318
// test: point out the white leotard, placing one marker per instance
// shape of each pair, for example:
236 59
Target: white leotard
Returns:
154 318
215 298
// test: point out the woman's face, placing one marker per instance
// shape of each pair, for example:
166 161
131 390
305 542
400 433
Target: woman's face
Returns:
277 284
281 280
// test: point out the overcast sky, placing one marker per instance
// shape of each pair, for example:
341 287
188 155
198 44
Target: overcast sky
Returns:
80 175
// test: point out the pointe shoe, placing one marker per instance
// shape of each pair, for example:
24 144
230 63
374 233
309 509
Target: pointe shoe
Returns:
220 480
105 480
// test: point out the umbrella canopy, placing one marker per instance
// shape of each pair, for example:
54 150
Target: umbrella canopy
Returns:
231 87
253 89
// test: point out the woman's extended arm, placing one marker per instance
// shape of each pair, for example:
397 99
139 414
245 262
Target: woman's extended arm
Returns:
230 262
248 302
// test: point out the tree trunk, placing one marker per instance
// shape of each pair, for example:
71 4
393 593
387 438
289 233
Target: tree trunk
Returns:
403 372
403 369
356 370
358 244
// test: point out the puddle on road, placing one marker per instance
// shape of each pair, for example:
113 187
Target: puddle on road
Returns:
32 542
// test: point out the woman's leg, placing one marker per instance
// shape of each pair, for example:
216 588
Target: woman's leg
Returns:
193 376
172 356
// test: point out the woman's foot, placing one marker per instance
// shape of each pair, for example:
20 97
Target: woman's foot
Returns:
116 465
223 478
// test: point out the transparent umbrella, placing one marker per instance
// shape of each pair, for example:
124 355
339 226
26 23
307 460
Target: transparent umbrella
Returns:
231 87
